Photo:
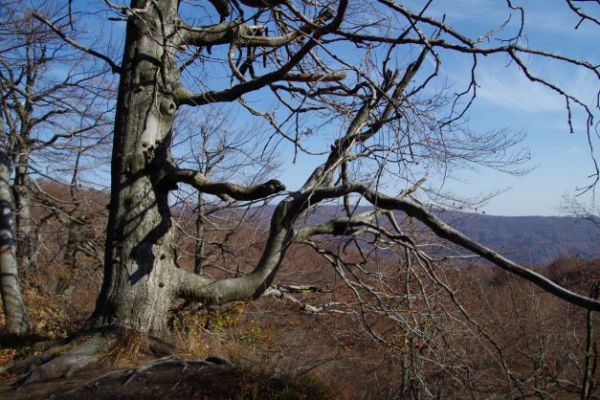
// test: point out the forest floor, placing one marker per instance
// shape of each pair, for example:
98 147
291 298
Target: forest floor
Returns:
168 378
189 374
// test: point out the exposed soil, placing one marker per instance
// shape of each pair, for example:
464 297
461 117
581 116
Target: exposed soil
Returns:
170 379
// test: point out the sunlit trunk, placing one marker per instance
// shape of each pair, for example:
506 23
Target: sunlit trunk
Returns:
17 321
23 225
138 290
200 235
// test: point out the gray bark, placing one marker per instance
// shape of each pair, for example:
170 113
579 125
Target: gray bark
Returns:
141 279
77 234
23 225
200 235
137 288
17 320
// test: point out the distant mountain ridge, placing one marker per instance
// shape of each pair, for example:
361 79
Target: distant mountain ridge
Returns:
530 240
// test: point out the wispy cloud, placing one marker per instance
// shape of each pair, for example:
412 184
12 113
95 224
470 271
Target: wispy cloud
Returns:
503 84
508 88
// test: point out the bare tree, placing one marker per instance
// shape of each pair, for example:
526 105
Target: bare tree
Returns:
208 142
378 96
15 312
47 101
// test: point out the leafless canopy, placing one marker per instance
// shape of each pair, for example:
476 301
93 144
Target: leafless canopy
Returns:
366 75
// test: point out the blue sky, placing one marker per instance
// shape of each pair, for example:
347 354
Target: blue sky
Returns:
560 161
506 99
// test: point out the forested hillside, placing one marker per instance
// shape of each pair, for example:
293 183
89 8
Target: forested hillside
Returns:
531 240
306 327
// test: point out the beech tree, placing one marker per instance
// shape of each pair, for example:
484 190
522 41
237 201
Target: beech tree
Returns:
365 68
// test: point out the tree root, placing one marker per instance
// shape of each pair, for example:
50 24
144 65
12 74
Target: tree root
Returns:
56 363
48 349
72 355
129 375
170 360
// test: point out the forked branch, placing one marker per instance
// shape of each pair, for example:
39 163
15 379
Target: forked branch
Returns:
183 96
445 231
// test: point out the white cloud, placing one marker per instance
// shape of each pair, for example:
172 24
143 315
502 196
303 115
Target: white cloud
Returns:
507 87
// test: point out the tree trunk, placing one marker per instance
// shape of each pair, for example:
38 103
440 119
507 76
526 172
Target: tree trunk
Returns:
17 321
140 275
75 226
23 215
73 238
200 235
138 287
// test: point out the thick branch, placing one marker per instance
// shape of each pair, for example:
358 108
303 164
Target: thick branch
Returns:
245 35
235 31
223 7
197 288
284 293
315 77
195 99
445 231
337 227
261 3
222 189
183 96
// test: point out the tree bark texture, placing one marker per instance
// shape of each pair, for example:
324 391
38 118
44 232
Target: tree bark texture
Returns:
200 235
23 225
17 320
141 279
137 290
